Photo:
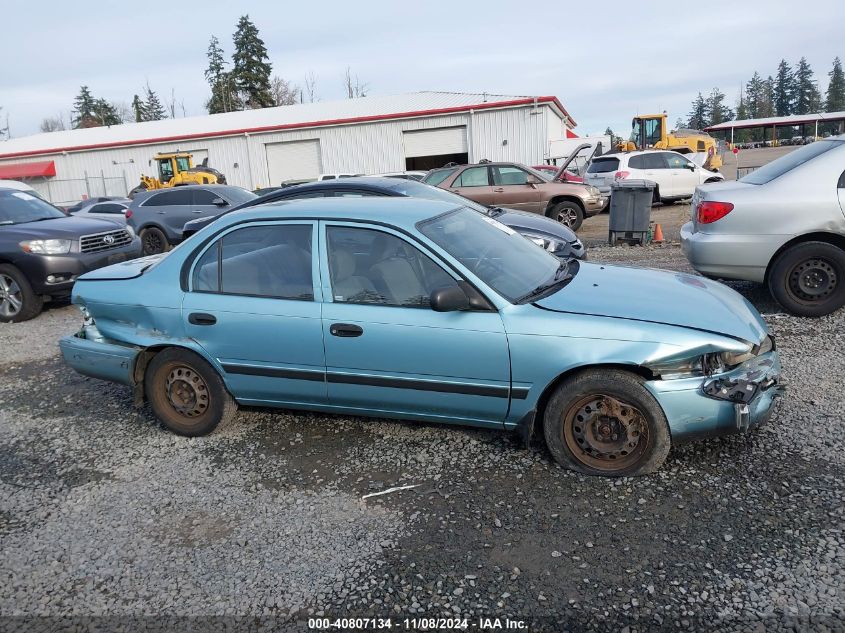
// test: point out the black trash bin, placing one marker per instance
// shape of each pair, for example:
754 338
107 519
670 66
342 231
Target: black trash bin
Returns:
630 211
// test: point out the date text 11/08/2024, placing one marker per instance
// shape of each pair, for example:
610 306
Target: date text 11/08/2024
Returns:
418 624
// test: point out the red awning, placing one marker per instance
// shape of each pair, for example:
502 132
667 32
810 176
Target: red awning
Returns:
16 171
571 134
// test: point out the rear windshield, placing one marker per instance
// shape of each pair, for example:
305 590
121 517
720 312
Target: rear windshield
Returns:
784 164
603 165
437 176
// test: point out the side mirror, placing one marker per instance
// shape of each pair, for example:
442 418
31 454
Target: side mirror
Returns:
449 299
219 202
531 179
692 166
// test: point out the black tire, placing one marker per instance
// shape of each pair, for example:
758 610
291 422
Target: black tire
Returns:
18 302
808 279
154 241
655 196
605 422
568 213
186 394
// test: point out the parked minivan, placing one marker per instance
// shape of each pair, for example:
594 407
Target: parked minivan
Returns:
159 215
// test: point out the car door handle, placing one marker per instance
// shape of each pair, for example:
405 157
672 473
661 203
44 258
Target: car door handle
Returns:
197 211
345 330
498 190
201 318
162 212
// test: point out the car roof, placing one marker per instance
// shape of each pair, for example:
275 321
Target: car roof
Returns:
402 212
143 195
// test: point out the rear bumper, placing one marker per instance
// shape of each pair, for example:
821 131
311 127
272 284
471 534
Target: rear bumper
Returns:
65 269
100 358
729 256
734 402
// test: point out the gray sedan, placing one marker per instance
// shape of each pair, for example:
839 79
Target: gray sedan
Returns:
782 225
108 210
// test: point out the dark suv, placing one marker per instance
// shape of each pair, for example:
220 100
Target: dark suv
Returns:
159 215
43 251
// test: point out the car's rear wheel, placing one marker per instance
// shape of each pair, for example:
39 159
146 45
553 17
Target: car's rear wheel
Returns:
154 241
18 302
605 422
568 213
186 394
809 279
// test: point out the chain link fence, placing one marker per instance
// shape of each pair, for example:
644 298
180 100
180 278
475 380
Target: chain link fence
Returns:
65 192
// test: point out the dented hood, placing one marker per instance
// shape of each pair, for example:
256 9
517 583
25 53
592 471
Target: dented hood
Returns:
658 297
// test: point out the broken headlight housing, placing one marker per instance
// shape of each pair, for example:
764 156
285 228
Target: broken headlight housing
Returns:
713 363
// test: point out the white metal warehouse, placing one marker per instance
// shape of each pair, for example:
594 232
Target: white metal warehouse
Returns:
257 148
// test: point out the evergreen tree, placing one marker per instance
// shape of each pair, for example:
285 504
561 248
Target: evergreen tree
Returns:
785 90
153 109
251 66
767 108
216 62
84 109
139 109
807 96
223 97
742 136
105 113
755 96
717 111
835 100
698 115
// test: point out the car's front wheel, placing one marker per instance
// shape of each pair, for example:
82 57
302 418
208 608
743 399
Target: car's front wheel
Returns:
18 302
153 241
567 213
605 422
809 279
186 394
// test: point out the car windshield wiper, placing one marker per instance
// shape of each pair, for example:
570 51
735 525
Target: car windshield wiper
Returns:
41 219
561 275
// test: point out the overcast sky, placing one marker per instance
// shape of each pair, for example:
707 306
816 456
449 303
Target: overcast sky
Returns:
605 60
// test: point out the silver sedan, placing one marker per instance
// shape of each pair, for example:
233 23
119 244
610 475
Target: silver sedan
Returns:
782 225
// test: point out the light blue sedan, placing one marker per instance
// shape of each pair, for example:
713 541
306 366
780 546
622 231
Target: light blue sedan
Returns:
417 309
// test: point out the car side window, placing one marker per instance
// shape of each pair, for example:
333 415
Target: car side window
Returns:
108 207
204 197
654 161
259 261
637 162
677 161
178 197
472 177
503 175
373 267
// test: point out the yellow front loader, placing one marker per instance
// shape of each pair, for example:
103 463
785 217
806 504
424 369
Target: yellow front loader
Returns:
649 131
176 169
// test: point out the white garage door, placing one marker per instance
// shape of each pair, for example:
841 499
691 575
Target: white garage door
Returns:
297 160
435 142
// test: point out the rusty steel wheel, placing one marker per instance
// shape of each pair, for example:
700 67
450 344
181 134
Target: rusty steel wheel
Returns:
605 433
604 421
186 393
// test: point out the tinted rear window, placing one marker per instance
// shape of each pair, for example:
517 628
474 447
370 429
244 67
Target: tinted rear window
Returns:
177 197
603 165
437 176
780 166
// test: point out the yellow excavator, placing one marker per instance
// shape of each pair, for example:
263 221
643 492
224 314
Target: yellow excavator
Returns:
176 169
649 131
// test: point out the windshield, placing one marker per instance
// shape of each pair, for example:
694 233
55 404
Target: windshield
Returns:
415 189
19 206
510 264
780 166
435 177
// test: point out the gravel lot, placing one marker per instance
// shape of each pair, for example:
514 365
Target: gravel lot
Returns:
102 513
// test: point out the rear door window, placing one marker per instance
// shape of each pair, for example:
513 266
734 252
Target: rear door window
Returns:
204 197
603 165
472 177
655 161
676 161
637 162
509 175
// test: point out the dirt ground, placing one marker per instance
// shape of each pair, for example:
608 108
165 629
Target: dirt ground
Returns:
671 217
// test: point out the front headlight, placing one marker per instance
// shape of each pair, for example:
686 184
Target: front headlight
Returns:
708 364
46 247
131 231
594 191
542 242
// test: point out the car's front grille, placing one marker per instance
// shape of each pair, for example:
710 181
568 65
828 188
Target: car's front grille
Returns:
104 241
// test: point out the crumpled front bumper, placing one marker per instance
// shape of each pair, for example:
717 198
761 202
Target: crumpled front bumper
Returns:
92 355
733 402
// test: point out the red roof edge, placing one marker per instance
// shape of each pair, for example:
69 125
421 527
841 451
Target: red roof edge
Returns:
42 169
294 126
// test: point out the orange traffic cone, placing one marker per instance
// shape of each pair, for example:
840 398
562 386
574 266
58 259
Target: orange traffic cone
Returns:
658 235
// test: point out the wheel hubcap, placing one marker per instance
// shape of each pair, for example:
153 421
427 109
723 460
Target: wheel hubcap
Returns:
152 242
605 433
567 217
813 280
11 297
186 391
